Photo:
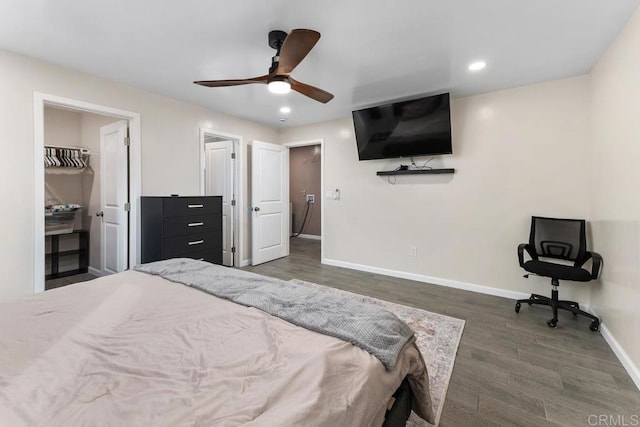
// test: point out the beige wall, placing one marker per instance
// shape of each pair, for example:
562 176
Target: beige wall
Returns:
517 153
615 185
304 178
170 147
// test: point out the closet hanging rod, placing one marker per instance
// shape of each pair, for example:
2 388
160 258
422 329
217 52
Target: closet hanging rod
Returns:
82 149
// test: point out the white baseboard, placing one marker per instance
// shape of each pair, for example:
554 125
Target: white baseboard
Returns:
628 364
429 279
310 236
245 262
96 272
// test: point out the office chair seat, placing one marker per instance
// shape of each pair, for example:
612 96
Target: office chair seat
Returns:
558 271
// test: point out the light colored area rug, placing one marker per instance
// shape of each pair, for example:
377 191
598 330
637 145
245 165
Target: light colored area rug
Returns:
437 337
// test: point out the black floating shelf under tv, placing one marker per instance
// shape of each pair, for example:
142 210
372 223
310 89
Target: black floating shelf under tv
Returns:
415 171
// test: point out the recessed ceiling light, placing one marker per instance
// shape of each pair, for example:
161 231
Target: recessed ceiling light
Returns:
477 66
285 110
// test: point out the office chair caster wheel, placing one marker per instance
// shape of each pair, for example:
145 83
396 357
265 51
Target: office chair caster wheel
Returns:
594 326
552 323
530 302
517 307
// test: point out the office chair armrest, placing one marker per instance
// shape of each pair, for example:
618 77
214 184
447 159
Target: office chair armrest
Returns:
521 248
597 264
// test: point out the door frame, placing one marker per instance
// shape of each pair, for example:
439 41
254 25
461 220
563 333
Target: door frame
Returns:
319 141
238 186
40 100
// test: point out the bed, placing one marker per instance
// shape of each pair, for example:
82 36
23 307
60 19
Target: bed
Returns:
141 348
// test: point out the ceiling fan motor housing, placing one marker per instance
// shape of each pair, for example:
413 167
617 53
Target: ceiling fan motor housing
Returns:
276 39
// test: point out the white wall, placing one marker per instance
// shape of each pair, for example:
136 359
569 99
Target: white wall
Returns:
517 153
615 185
170 147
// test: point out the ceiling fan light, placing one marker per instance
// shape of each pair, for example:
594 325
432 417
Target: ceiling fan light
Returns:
477 66
279 86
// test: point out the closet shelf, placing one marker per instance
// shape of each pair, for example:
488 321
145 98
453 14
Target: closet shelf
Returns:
66 253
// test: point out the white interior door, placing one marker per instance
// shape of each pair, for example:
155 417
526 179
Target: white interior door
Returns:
114 197
270 202
219 182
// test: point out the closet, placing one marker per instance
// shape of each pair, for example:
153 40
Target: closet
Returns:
72 203
66 240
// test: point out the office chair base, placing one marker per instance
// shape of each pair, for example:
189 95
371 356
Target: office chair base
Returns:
571 306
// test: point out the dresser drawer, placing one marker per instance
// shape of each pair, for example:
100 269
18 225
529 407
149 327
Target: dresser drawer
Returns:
199 224
186 206
180 245
212 256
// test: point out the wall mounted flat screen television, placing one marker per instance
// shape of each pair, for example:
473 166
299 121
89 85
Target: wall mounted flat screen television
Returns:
420 127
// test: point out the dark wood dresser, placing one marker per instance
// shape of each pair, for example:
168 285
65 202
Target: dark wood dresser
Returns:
181 227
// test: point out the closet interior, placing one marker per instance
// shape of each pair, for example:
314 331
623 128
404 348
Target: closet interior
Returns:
72 195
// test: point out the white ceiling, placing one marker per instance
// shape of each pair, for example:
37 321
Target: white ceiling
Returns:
371 51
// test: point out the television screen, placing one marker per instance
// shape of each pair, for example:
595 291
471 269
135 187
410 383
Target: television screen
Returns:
420 127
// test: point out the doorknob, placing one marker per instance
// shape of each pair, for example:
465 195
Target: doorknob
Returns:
256 209
99 213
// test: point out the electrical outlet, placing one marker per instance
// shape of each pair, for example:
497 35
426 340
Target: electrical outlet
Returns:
311 198
413 251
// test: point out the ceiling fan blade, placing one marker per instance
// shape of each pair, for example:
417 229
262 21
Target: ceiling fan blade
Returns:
221 83
310 91
295 47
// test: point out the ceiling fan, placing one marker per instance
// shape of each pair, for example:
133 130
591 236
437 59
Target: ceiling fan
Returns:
290 51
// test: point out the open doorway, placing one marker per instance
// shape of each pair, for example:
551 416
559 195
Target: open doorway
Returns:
221 175
87 177
306 169
86 235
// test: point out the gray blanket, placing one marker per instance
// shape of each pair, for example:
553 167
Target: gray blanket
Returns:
368 326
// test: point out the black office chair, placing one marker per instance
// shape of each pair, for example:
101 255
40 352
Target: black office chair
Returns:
563 239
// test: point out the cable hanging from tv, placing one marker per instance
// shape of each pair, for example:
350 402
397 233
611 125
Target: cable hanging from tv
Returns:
425 166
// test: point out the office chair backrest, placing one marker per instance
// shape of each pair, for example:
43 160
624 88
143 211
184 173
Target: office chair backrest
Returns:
558 238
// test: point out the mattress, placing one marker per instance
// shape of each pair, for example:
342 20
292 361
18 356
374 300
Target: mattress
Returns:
136 349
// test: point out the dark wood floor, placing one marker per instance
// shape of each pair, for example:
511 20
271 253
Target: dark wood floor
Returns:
511 369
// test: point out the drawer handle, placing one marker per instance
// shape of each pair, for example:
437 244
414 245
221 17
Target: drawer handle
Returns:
196 242
195 206
195 224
